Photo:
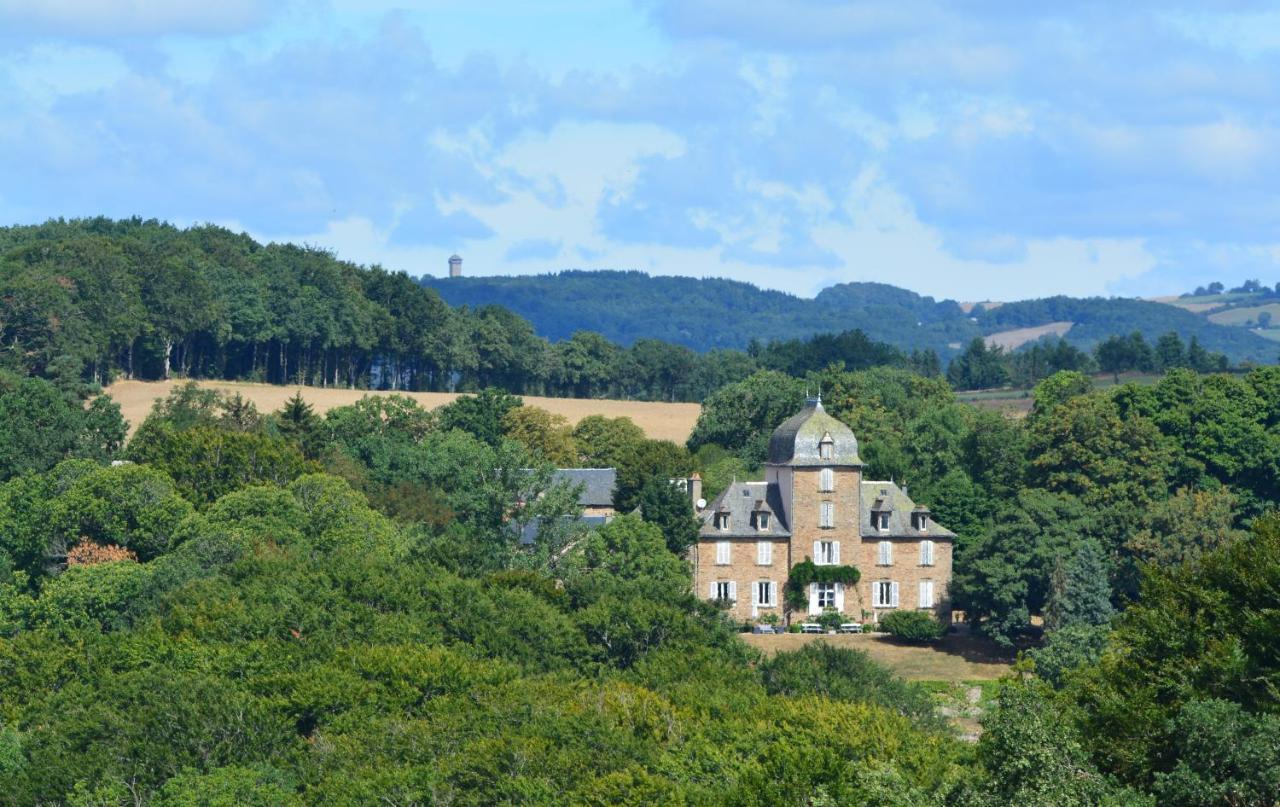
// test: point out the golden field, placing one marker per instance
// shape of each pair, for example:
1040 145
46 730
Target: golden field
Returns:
661 421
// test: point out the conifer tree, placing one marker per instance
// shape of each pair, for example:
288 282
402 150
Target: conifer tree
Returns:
1079 593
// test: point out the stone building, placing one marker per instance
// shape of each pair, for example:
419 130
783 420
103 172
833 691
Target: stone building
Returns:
814 505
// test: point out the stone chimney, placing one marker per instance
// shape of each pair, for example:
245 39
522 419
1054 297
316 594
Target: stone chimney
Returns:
695 490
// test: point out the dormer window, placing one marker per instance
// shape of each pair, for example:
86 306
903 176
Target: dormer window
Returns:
722 521
880 520
762 521
920 521
826 447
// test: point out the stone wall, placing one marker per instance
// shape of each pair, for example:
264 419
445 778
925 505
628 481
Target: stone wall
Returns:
906 571
742 570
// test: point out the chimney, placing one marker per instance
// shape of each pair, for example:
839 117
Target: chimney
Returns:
455 266
695 491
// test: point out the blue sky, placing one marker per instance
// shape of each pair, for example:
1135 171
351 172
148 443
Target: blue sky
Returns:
985 150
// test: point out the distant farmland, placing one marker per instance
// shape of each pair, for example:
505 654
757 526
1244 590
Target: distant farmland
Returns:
662 421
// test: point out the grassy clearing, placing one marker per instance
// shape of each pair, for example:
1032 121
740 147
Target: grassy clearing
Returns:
956 659
663 421
1244 315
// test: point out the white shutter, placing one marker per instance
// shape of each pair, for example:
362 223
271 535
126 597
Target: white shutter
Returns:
885 554
835 552
816 557
712 594
926 553
893 594
773 592
840 597
733 590
755 598
764 553
813 598
722 552
926 593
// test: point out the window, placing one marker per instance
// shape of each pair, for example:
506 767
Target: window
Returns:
920 521
880 520
884 557
826 595
762 521
826 480
726 590
723 550
722 521
827 515
764 553
826 553
884 594
926 593
765 593
926 553
826 448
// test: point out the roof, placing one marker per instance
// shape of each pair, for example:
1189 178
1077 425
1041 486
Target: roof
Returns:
529 531
740 500
598 484
796 441
886 496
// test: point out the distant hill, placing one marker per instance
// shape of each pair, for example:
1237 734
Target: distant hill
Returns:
712 313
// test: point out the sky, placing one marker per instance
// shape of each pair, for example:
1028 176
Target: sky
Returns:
978 150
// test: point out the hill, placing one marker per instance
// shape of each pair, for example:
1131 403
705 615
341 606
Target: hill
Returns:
711 313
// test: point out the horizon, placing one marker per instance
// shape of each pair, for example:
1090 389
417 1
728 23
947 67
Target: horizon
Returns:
996 154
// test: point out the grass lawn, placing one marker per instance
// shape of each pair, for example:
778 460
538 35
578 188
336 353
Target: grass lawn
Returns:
957 658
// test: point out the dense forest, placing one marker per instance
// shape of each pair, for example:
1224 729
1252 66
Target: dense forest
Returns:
710 312
284 608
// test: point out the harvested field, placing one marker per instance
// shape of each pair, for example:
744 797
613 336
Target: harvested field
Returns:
662 421
1243 316
1017 337
958 657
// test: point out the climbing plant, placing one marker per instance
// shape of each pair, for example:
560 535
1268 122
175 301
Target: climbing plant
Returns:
806 572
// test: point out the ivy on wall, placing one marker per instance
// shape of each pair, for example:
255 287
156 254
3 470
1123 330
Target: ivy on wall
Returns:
806 572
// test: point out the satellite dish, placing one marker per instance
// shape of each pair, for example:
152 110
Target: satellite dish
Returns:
702 504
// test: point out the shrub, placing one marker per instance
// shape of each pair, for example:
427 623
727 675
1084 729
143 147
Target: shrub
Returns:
912 626
830 619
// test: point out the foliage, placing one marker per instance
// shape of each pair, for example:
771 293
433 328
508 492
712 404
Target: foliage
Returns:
912 626
978 367
1198 631
1079 593
41 425
819 669
543 434
667 506
89 553
1066 649
1224 756
1032 756
480 415
807 572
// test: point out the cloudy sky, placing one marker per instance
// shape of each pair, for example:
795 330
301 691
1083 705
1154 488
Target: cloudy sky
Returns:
991 153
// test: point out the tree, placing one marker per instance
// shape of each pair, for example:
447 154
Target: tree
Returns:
41 426
1032 756
741 416
479 415
667 506
542 433
297 422
1170 352
1224 755
979 367
1080 593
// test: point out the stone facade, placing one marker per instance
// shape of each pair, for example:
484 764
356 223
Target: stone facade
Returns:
815 505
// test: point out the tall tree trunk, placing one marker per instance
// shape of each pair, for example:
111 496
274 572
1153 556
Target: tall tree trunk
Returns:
168 356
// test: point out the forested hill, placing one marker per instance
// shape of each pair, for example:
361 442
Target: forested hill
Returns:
711 312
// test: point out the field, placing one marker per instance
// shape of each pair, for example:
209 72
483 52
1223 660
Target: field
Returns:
1013 339
662 421
957 658
1242 316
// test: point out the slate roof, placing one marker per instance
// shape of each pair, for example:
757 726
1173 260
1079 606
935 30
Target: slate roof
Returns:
598 484
529 532
882 496
740 500
796 441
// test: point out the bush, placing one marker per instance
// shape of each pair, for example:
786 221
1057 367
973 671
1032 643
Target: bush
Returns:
830 619
912 626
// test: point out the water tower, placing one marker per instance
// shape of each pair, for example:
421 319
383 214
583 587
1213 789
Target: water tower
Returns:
455 266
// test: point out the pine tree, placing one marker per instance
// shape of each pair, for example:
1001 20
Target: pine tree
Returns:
1079 593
